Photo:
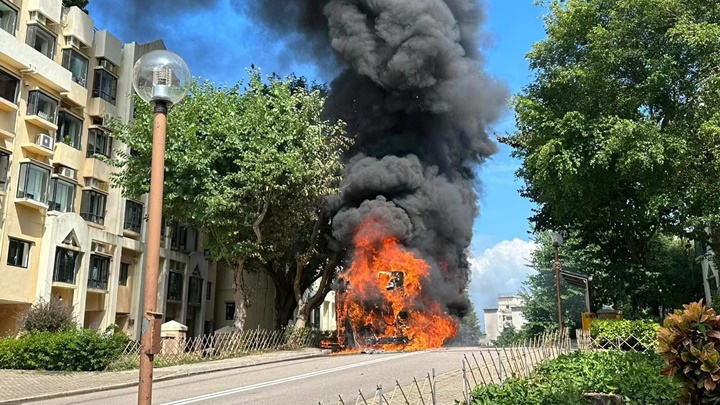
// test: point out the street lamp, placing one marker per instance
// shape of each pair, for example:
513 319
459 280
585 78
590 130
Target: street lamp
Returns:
160 78
557 240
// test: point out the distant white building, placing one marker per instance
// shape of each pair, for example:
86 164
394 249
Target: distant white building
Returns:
507 314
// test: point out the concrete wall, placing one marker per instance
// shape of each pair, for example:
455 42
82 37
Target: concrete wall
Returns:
261 312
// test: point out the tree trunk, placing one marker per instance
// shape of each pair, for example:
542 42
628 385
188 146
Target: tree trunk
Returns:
303 314
284 306
239 296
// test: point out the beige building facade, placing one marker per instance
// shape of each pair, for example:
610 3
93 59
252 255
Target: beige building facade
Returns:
65 231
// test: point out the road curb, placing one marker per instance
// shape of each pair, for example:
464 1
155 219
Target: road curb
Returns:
175 376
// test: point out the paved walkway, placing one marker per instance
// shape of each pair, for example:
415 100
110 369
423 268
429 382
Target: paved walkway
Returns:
24 386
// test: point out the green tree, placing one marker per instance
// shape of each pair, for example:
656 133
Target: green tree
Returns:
510 336
250 169
82 4
469 333
619 132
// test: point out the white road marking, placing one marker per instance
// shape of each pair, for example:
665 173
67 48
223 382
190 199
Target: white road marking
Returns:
285 380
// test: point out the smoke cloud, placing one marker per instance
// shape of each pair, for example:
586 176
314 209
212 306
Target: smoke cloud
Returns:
419 104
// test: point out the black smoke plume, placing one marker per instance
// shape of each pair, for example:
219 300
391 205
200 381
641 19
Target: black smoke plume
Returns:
419 104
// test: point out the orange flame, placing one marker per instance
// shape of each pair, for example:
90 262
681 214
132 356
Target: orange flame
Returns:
401 318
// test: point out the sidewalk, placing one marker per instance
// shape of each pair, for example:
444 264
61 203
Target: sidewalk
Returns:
23 386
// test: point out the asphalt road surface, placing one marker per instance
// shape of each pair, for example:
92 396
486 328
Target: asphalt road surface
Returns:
309 381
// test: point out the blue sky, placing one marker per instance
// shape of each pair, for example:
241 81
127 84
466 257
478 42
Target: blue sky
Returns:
219 44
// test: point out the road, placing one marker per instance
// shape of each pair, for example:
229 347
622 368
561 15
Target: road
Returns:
308 381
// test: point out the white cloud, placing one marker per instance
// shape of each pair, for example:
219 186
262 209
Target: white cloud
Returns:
500 269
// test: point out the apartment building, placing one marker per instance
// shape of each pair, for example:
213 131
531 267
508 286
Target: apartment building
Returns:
508 314
65 231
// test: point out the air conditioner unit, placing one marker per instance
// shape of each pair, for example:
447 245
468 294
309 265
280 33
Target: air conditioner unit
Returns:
38 17
91 182
66 172
98 247
45 141
72 41
104 63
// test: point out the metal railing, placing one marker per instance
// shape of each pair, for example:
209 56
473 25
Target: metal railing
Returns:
491 365
221 346
642 344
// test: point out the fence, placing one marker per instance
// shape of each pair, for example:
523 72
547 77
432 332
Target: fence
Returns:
220 346
644 344
489 366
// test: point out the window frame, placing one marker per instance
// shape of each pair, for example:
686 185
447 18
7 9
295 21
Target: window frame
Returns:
68 55
92 144
53 193
208 291
85 209
195 290
23 180
99 78
57 272
123 276
171 294
25 260
230 314
9 75
64 116
4 169
34 98
129 220
15 21
99 281
50 36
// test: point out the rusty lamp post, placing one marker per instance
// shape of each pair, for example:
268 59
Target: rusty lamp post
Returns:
160 78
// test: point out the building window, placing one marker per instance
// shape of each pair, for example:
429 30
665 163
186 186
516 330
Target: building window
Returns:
65 265
70 131
175 285
229 311
42 40
18 253
4 169
77 65
195 290
42 105
33 182
105 86
133 216
208 291
99 272
8 18
9 85
62 196
184 239
99 143
124 270
92 207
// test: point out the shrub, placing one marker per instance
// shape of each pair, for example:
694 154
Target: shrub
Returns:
690 342
625 334
48 316
77 350
634 376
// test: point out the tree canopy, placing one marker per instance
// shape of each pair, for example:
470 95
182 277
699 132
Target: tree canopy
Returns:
619 131
249 167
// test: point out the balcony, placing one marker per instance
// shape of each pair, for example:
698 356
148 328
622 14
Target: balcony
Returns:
77 95
68 156
79 25
51 9
41 122
7 106
97 169
18 55
37 149
109 47
98 107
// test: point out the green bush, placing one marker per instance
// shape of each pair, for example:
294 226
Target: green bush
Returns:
634 376
631 335
48 316
690 344
77 350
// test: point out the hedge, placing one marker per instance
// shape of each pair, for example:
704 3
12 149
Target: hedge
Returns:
632 335
77 350
634 376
